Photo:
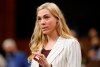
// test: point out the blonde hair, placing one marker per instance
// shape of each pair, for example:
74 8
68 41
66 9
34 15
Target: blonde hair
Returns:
38 39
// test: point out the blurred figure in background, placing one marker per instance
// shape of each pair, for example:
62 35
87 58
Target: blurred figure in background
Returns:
2 58
95 43
14 57
74 33
92 32
2 61
94 48
91 54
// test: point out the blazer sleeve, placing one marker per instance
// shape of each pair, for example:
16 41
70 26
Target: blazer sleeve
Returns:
74 54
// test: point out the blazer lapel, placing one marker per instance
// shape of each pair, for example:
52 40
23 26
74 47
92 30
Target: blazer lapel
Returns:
58 47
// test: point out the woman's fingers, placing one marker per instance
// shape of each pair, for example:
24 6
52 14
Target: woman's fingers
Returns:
40 58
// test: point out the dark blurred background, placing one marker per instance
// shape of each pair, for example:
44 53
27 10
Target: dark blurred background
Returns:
80 15
17 19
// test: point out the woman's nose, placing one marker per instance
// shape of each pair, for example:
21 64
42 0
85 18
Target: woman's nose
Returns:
42 21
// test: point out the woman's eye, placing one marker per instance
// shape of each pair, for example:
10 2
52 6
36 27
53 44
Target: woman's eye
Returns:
39 18
46 17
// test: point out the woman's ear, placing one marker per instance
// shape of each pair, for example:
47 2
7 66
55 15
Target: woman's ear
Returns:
57 21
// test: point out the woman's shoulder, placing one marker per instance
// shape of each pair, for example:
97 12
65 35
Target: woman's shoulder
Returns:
70 41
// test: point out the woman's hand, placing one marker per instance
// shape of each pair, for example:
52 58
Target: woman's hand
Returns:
41 59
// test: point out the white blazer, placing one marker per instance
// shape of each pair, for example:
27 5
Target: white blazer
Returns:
65 53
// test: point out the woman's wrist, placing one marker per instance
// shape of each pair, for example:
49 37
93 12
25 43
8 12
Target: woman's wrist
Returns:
51 65
48 65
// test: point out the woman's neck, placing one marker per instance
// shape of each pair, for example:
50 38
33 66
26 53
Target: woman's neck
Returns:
53 36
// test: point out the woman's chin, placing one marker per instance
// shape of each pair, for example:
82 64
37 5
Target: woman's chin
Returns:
45 32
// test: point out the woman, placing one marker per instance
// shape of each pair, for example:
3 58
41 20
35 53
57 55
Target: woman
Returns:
52 44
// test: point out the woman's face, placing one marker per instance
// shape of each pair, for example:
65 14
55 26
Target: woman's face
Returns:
47 21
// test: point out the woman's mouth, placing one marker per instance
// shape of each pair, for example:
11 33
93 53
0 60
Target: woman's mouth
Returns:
44 28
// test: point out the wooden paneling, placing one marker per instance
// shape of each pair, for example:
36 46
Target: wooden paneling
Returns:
7 19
